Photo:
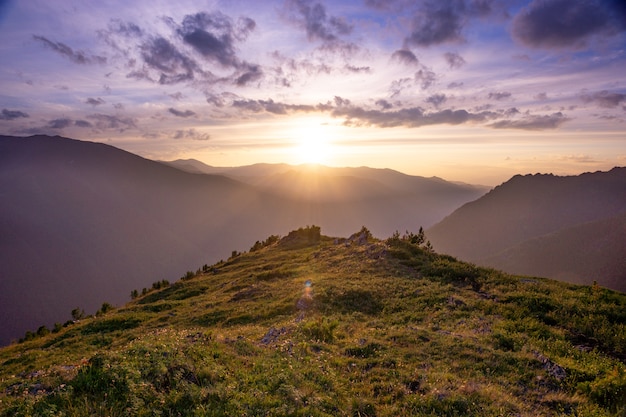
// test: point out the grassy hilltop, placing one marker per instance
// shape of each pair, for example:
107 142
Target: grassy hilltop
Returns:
309 325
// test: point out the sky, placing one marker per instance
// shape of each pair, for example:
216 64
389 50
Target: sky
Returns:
467 90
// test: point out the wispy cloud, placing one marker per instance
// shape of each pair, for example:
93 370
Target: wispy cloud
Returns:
12 114
78 57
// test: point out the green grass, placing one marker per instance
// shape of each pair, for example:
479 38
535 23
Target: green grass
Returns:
387 328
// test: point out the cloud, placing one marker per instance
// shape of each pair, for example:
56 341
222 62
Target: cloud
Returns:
191 134
357 70
541 96
455 84
556 24
405 56
59 123
12 114
454 60
605 98
213 36
329 30
312 17
436 23
436 99
500 95
384 104
552 121
78 57
270 106
409 117
82 123
178 113
104 121
94 101
425 77
160 54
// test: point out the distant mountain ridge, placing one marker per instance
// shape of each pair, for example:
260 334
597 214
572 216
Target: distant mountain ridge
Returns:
83 222
500 228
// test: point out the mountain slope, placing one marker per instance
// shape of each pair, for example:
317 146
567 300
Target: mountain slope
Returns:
72 209
594 251
527 207
311 325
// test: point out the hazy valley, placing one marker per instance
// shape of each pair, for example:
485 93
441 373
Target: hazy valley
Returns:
84 223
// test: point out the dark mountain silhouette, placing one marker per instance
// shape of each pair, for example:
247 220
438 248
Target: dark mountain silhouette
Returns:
498 229
82 223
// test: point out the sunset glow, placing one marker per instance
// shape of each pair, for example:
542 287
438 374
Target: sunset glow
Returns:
465 90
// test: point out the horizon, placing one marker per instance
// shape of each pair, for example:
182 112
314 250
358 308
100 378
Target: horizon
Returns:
464 90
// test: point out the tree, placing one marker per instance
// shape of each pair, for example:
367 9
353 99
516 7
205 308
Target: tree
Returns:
134 294
78 314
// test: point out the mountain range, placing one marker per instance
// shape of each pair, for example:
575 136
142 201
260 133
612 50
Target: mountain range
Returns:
571 228
82 223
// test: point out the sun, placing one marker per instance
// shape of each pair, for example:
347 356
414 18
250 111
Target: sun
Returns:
313 145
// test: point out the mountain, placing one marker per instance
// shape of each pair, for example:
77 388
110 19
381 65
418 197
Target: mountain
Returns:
594 251
310 325
562 227
83 222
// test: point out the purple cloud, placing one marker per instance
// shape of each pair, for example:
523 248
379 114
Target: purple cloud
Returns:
78 57
12 114
178 113
558 24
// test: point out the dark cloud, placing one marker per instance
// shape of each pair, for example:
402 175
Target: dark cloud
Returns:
412 117
409 117
455 84
436 99
436 22
545 122
178 113
104 121
82 123
384 104
270 106
454 60
405 56
499 95
425 77
191 134
541 96
567 24
251 73
329 30
59 123
357 70
160 54
605 98
212 35
12 114
94 101
78 57
312 17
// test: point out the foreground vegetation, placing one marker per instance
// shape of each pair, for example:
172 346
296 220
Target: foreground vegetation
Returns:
313 326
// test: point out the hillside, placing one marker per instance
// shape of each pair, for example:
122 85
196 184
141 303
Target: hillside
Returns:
318 326
594 251
508 219
74 209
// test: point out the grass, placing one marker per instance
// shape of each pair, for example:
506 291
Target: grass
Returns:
385 328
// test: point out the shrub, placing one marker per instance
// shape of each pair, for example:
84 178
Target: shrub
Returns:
320 330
